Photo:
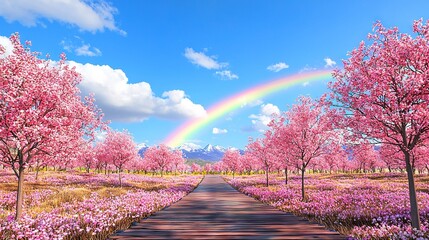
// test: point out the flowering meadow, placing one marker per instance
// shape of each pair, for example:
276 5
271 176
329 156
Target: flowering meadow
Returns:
363 206
75 205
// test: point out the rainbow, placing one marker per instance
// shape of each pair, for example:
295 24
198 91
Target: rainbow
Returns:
189 128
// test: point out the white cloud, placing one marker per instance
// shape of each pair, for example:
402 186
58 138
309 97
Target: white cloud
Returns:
219 131
201 59
100 136
124 101
305 84
329 62
261 120
209 62
7 46
307 68
86 50
226 74
86 15
80 48
277 67
254 103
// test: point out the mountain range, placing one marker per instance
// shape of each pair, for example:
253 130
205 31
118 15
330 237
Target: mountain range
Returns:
192 151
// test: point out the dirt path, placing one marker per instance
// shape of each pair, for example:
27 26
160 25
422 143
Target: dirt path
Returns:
217 211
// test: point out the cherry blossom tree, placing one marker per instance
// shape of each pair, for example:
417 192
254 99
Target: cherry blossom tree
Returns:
385 88
118 149
281 143
87 156
208 168
262 151
177 160
160 157
248 162
40 109
218 167
365 156
101 162
335 158
392 157
231 159
311 131
195 168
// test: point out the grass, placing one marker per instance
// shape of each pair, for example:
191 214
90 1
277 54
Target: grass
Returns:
67 193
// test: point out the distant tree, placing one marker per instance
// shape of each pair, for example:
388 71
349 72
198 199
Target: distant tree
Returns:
177 160
281 144
263 152
392 157
310 127
160 157
365 156
248 162
335 158
119 149
231 159
87 155
195 168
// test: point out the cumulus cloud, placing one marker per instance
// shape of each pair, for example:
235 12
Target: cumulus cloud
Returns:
202 60
86 15
219 131
329 62
124 101
227 75
7 46
261 120
277 67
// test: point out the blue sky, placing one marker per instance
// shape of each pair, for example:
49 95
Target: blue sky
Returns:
154 64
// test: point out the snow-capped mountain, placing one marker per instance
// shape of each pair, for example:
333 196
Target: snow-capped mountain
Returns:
141 145
142 148
189 147
211 148
194 151
208 153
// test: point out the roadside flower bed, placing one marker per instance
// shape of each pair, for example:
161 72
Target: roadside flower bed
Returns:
97 214
363 207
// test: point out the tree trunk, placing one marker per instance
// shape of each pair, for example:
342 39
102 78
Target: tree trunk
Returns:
415 218
20 193
120 179
285 175
302 184
266 174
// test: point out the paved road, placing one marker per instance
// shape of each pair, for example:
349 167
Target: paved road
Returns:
217 211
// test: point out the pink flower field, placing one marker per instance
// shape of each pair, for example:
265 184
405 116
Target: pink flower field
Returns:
74 205
363 206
